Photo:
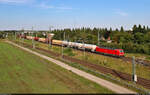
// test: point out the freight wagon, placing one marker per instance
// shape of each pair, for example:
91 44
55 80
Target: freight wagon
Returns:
57 42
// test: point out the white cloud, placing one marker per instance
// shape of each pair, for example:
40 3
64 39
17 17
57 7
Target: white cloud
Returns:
45 6
64 8
14 1
121 13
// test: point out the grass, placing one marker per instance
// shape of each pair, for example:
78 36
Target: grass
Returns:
69 52
109 62
22 72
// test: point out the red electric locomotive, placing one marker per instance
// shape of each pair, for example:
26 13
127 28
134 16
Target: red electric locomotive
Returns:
110 51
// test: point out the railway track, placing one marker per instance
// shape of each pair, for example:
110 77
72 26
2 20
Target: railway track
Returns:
124 76
138 61
126 59
141 81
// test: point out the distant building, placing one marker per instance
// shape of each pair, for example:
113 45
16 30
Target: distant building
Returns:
109 40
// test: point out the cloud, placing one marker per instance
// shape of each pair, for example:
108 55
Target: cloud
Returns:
14 1
64 8
121 13
45 6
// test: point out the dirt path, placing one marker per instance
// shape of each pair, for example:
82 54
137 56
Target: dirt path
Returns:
102 82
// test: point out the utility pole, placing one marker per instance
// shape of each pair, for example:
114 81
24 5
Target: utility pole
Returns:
62 51
36 34
23 34
46 36
134 76
98 37
62 46
64 36
33 44
29 33
84 44
50 38
15 35
84 50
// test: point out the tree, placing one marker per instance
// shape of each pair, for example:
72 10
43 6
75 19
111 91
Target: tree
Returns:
138 37
134 29
147 37
121 30
147 28
144 28
110 29
140 27
95 30
117 30
122 40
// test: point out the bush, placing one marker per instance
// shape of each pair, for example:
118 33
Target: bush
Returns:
2 36
146 49
69 52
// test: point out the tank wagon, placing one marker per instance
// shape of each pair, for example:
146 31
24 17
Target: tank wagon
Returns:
90 47
57 42
42 40
29 37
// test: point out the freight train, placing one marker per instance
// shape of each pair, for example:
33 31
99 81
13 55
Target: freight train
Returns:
81 46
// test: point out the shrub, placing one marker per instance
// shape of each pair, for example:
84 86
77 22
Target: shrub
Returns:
69 52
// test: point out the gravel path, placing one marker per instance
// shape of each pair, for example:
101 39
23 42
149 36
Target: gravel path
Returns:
114 87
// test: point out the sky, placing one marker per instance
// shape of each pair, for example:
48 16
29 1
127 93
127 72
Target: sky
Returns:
43 14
